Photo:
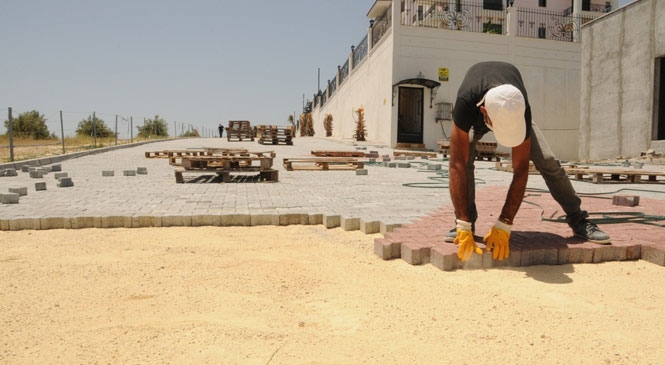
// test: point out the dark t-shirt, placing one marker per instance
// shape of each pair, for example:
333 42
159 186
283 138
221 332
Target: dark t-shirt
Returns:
478 80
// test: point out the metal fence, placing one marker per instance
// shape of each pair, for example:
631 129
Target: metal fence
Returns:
381 25
544 24
456 15
360 51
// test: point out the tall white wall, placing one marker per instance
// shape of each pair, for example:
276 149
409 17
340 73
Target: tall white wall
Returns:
617 88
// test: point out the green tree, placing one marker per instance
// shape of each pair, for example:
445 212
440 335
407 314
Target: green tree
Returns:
86 127
154 127
29 124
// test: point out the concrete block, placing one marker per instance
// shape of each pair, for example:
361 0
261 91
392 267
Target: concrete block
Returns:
46 169
350 224
392 164
116 222
39 186
4 225
60 175
129 173
236 220
315 219
415 254
404 165
108 173
370 227
24 223
387 228
9 198
653 255
609 253
25 168
400 158
35 174
86 222
264 220
146 221
56 167
142 171
331 221
387 249
293 218
626 200
55 223
434 166
574 255
22 191
8 172
177 221
214 220
65 182
361 171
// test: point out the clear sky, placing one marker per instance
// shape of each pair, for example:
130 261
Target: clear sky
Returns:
199 62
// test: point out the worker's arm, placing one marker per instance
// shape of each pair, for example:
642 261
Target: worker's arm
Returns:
459 157
517 188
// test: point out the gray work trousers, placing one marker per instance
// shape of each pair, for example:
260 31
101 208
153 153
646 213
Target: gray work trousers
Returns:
550 169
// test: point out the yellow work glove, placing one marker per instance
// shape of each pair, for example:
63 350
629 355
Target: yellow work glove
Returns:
467 245
497 240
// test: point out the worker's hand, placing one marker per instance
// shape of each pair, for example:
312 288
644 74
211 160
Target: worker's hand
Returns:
467 245
497 240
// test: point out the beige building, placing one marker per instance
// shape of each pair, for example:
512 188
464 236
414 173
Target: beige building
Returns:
406 71
623 82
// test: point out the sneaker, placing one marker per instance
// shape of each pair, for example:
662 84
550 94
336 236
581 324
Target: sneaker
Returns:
590 232
452 234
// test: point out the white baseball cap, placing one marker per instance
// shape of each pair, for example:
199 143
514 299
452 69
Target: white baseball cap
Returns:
505 106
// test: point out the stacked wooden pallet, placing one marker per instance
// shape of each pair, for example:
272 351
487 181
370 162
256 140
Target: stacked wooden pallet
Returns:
226 163
484 150
338 153
322 163
616 175
415 154
272 134
239 130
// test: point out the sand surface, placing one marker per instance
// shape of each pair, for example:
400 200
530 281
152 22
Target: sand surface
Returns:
307 295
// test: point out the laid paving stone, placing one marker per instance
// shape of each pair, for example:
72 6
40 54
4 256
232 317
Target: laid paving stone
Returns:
60 175
361 171
9 172
56 167
22 191
331 221
142 171
37 174
370 227
350 224
293 218
108 173
129 173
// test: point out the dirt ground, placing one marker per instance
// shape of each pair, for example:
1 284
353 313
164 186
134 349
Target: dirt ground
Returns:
307 295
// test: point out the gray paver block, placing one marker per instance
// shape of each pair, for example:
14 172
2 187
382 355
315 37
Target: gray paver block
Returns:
65 182
293 218
236 220
415 255
264 220
387 228
4 225
9 172
37 174
129 173
22 191
315 219
404 165
361 171
142 170
19 224
9 198
60 175
384 249
25 168
146 221
369 227
56 167
214 220
108 173
331 221
434 166
55 223
350 224
116 222
86 222
40 186
177 221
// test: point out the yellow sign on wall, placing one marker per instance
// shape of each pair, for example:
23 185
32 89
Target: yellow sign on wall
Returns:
443 74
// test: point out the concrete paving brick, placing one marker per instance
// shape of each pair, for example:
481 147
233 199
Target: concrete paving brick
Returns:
60 175
9 198
386 228
65 182
116 222
86 222
37 174
264 220
350 224
146 221
370 227
201 220
315 219
654 255
236 220
55 223
40 186
332 221
386 249
108 173
414 254
293 218
575 255
4 224
20 224
176 221
22 191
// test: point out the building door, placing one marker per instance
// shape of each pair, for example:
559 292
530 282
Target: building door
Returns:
410 115
659 101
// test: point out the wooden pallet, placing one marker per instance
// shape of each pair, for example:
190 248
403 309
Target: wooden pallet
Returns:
228 163
226 176
322 163
338 153
415 154
273 134
239 130
610 175
169 153
507 166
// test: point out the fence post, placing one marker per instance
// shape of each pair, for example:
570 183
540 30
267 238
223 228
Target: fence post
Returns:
116 129
94 130
62 134
11 136
131 129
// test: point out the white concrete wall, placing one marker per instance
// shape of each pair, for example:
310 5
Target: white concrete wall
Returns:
617 86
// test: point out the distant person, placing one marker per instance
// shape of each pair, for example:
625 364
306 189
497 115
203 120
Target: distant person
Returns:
221 130
492 97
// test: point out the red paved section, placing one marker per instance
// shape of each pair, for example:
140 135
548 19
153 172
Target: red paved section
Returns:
537 238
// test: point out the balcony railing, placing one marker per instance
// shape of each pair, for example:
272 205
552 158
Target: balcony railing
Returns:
456 15
381 25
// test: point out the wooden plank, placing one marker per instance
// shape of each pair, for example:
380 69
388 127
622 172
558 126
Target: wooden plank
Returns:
325 153
322 163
